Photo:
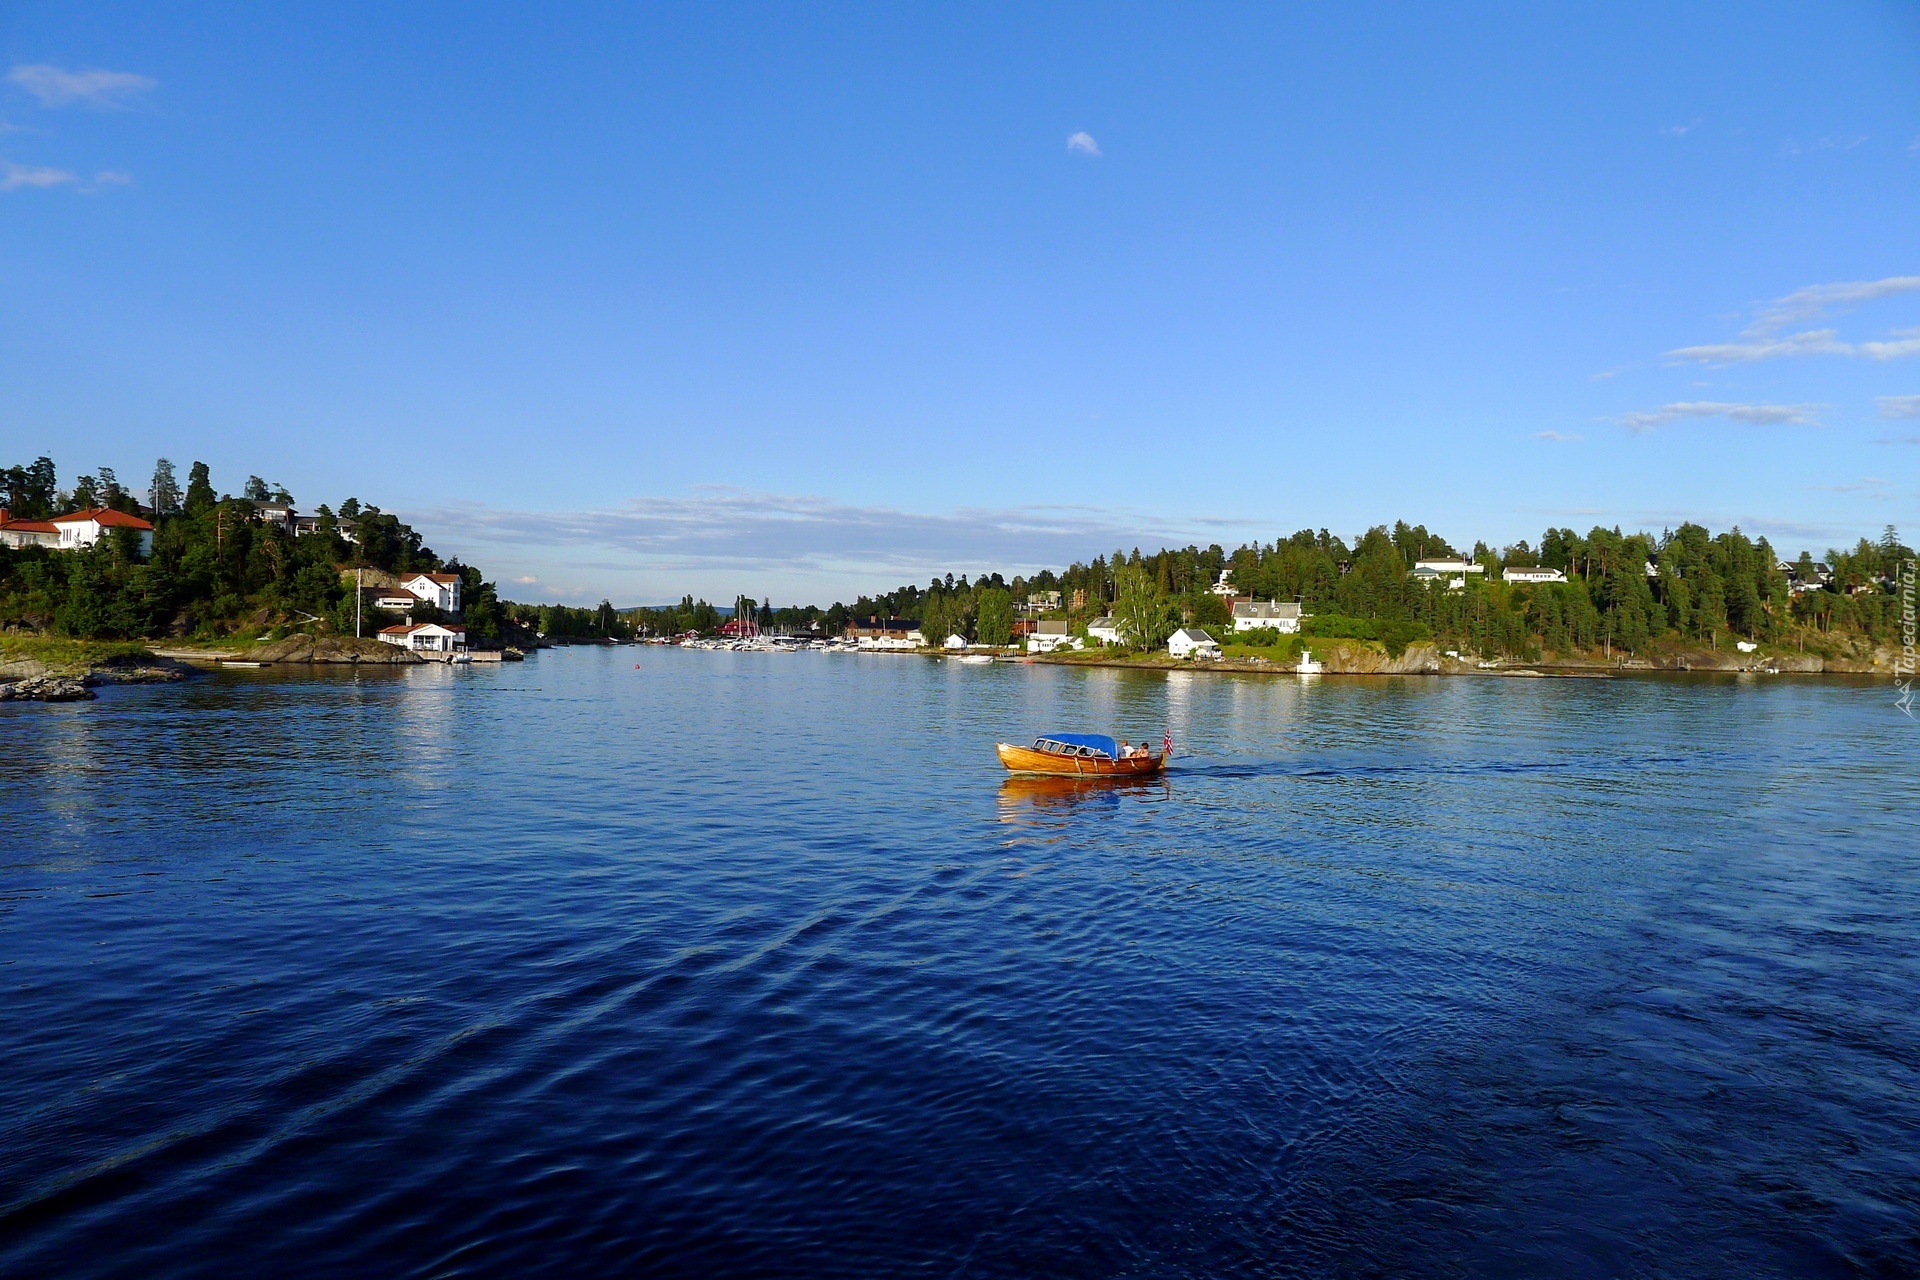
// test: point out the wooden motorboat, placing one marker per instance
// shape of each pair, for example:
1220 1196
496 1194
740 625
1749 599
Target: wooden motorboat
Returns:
1078 755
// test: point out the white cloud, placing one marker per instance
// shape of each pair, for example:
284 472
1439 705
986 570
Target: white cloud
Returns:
1084 143
112 178
13 176
1762 340
1563 436
1898 406
56 87
718 528
1751 414
1813 342
1872 485
1905 342
1679 130
526 580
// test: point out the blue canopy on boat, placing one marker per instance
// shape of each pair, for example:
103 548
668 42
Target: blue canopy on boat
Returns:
1097 741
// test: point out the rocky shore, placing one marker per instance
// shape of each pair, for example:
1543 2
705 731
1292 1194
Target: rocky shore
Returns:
34 680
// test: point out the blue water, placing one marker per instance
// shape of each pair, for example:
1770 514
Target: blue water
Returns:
754 965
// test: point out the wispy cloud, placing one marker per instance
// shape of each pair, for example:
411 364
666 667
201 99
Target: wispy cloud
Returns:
1763 339
1679 130
14 176
1813 342
1905 342
1898 406
1870 485
1562 436
724 528
1763 415
1083 143
1794 147
57 87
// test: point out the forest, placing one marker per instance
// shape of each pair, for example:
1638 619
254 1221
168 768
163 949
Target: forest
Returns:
1623 591
216 569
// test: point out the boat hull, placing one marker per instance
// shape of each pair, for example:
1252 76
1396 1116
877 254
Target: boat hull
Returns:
1028 761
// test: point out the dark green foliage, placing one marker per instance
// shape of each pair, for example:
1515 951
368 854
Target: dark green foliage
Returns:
214 569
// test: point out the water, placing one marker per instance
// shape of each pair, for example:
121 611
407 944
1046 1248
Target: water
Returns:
739 964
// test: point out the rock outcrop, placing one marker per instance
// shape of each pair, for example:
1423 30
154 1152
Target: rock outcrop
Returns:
332 649
45 689
1353 658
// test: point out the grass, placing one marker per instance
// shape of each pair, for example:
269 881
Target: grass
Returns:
63 654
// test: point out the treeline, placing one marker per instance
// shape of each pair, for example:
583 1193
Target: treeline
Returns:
216 568
1623 592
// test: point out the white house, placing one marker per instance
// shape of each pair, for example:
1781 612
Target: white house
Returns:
1532 575
27 533
956 641
434 636
1222 587
1048 636
1252 615
1191 642
397 599
1455 571
83 528
442 590
1105 630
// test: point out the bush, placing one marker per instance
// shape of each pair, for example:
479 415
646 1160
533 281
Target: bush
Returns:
1395 634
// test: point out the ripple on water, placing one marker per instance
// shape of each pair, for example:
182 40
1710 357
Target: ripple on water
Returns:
1388 977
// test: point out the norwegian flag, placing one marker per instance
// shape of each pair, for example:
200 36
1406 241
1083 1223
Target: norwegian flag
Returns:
1166 744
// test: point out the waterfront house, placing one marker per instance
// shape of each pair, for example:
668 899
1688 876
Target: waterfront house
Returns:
434 637
1532 574
1191 642
83 528
1105 630
1048 636
956 641
27 533
1254 615
442 590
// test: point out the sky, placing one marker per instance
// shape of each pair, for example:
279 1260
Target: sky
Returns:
800 302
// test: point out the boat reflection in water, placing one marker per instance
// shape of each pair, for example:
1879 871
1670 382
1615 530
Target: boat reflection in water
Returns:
1025 794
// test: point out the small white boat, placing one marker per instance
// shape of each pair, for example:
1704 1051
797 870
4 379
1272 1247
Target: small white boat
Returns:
976 659
225 662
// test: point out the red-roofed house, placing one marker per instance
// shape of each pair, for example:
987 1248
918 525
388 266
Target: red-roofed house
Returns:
437 636
83 528
27 533
439 589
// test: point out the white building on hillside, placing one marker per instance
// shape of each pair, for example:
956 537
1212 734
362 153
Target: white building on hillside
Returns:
1455 571
27 533
1105 630
432 636
1191 642
83 528
1252 615
442 590
1532 575
1222 587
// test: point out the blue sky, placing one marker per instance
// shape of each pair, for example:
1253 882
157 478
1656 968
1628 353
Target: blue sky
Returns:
802 301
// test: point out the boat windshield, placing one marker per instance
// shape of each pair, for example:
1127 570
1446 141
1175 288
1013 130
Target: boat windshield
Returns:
1088 745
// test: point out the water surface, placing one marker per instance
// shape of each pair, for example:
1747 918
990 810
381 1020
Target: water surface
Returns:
741 964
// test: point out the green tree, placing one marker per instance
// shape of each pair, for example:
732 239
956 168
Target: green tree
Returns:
200 494
163 491
1144 613
994 621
